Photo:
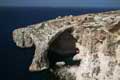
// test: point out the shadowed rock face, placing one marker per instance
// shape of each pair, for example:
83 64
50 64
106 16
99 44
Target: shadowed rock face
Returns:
96 36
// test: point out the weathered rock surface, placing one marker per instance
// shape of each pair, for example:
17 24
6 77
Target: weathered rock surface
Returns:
97 37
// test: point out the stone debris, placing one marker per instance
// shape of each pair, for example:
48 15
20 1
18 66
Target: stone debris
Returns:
97 38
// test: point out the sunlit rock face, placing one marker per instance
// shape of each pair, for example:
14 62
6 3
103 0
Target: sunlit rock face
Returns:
91 39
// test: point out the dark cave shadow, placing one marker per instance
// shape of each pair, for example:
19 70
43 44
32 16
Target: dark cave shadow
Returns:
63 48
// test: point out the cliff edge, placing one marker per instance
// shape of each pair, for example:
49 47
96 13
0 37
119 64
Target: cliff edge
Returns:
91 39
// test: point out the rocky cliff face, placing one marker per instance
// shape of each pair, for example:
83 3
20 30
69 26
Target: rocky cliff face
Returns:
92 39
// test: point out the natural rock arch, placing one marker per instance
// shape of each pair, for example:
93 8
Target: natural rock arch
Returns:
98 40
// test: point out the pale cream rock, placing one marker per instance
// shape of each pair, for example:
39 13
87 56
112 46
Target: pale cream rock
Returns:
97 38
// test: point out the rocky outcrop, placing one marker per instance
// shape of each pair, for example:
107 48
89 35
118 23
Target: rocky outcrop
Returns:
94 37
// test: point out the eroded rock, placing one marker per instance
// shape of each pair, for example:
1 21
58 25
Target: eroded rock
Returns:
96 36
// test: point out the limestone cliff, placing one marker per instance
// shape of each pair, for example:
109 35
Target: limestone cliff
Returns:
94 38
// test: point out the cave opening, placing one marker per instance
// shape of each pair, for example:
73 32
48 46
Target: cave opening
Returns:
62 48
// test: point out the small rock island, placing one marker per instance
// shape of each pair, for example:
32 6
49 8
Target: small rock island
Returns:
85 47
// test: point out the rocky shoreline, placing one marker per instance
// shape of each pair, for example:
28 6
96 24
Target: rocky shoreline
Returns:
96 36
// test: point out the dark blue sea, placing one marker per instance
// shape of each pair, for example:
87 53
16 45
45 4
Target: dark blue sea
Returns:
15 61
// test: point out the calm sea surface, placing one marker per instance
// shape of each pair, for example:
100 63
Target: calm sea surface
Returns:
17 60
